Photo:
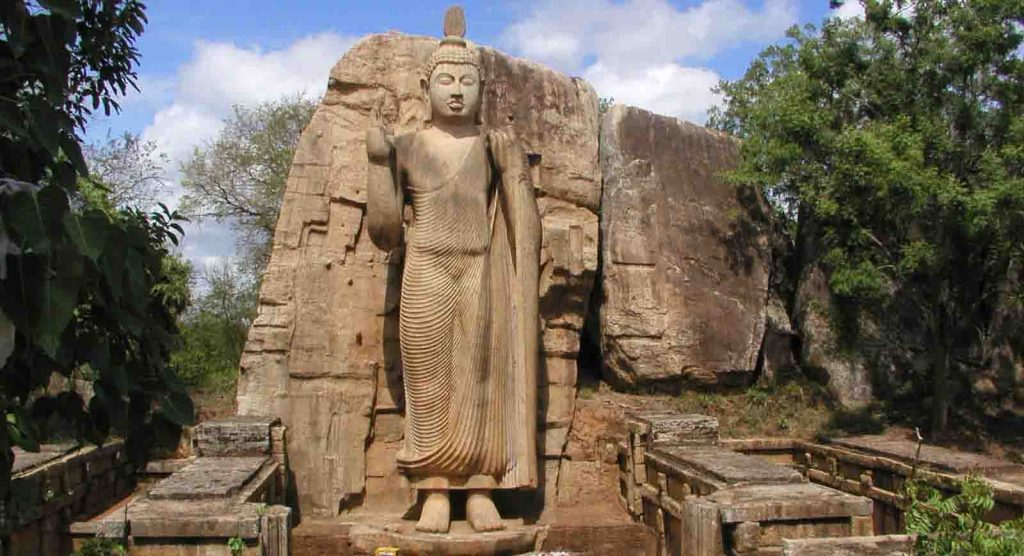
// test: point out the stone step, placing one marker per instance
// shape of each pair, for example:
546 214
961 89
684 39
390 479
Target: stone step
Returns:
882 545
206 478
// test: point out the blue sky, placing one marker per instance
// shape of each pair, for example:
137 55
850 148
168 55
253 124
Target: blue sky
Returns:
201 57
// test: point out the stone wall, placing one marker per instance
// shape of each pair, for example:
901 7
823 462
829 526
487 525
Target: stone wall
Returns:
323 351
56 485
684 267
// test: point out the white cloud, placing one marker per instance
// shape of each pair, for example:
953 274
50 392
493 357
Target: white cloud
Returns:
221 74
642 51
669 88
192 104
849 10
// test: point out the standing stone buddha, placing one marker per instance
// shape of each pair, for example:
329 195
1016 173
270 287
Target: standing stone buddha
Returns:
468 323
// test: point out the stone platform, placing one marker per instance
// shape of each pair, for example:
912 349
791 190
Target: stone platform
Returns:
576 531
517 538
232 489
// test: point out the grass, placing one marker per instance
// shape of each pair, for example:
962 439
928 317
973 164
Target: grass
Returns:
793 406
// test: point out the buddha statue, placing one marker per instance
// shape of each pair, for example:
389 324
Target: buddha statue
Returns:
468 321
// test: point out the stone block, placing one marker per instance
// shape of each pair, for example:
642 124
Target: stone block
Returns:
388 427
553 439
560 371
219 477
788 502
556 405
709 467
236 436
883 545
664 428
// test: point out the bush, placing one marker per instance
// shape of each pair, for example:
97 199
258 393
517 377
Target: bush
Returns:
955 525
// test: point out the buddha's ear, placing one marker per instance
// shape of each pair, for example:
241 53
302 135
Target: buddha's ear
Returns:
483 101
429 110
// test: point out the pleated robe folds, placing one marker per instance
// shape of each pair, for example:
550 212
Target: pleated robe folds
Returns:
468 324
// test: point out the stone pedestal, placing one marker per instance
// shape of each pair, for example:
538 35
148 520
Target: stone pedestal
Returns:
517 538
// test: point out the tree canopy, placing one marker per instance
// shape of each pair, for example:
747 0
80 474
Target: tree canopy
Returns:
240 175
84 287
892 148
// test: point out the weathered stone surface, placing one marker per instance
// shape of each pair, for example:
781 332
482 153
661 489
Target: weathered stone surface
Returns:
685 276
934 457
671 428
844 372
324 345
777 349
787 502
516 538
883 545
234 436
208 478
720 465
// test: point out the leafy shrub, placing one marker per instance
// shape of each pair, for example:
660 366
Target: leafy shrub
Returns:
955 525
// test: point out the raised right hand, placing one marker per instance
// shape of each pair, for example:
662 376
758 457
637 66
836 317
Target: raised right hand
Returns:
378 141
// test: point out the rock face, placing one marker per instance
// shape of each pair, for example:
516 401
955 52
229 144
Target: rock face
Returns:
846 374
685 274
323 352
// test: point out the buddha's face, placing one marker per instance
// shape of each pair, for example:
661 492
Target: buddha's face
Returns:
454 91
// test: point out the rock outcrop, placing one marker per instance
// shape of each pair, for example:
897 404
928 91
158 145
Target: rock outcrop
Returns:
323 351
684 269
845 373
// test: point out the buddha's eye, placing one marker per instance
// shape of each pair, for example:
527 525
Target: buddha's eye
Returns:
468 81
445 79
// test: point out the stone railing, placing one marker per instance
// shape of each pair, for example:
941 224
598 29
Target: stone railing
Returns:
701 498
227 500
53 487
878 468
701 495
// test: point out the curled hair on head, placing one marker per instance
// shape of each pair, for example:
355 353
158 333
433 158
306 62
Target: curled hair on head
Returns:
454 49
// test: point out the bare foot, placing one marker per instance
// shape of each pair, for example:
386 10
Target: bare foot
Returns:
481 513
436 513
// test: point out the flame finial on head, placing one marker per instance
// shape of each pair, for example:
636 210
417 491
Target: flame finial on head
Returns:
455 22
453 48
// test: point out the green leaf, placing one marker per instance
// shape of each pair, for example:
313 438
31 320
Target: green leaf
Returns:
21 431
11 117
73 151
89 232
45 126
178 408
23 215
59 298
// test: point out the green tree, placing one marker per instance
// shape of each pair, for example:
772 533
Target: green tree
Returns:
240 175
895 145
82 287
214 329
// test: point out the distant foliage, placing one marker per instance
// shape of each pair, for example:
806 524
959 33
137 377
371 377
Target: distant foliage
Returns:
214 329
83 286
126 172
100 547
892 150
604 104
239 177
955 525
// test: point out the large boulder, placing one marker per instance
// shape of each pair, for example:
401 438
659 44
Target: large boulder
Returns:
322 353
845 372
684 268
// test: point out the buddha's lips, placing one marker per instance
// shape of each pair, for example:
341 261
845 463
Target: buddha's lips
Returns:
456 104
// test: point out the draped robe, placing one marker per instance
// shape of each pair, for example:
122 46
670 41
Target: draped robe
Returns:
468 321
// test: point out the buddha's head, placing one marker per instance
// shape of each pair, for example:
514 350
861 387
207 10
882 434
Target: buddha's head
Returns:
451 81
